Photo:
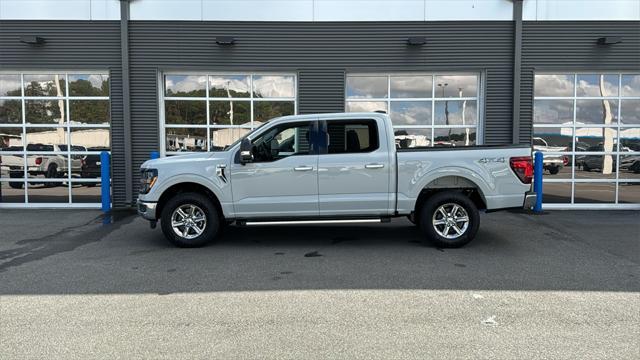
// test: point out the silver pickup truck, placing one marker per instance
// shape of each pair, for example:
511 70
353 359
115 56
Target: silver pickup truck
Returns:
333 167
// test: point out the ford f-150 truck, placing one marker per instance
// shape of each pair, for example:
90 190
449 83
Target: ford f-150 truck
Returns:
333 167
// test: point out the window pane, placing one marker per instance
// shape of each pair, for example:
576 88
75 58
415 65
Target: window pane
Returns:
10 85
57 192
229 86
269 86
597 85
554 85
556 193
411 112
595 193
90 139
46 139
412 138
265 110
553 112
88 85
48 166
185 112
547 139
366 106
185 85
352 136
456 86
44 85
10 112
629 166
185 139
557 166
90 164
11 139
89 112
222 137
86 193
282 141
411 86
366 87
11 192
49 112
596 112
593 139
455 112
230 112
454 137
630 85
630 111
630 139
629 192
596 167
11 166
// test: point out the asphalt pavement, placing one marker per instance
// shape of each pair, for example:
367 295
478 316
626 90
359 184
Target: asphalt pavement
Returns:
562 285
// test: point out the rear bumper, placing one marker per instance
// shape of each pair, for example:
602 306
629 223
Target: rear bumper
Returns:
529 200
147 210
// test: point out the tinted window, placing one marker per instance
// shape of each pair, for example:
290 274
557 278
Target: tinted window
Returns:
354 136
282 141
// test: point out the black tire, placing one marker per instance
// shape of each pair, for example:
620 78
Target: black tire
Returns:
211 227
554 170
448 199
16 185
585 167
52 173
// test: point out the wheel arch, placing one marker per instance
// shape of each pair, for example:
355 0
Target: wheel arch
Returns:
184 187
455 183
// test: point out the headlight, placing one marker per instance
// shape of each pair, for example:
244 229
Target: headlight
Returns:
147 180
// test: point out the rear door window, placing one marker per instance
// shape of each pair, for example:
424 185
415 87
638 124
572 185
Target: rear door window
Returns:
352 136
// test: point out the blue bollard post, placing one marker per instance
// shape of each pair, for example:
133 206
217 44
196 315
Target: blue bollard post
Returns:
105 186
537 181
155 155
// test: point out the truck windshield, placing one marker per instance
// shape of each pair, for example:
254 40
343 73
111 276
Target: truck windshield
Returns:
245 135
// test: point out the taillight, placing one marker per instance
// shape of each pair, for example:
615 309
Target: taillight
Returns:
565 160
38 161
523 167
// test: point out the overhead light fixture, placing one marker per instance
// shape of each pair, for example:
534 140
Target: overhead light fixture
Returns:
416 40
32 40
225 40
609 40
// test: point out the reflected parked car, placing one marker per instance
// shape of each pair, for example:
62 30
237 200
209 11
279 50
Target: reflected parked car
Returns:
596 162
552 163
630 163
91 164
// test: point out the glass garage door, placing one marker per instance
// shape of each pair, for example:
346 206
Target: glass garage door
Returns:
588 127
206 112
53 126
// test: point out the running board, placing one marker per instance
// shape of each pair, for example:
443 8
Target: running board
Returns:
311 222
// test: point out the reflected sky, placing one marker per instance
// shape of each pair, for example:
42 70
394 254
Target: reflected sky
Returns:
270 86
366 87
455 116
411 112
554 85
10 85
411 86
366 106
456 86
597 85
630 85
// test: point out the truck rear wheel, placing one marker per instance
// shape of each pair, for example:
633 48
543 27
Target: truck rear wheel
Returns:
190 220
449 219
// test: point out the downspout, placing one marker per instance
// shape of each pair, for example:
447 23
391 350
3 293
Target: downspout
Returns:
517 68
126 109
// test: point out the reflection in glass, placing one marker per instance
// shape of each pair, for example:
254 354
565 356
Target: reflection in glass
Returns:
230 112
57 192
88 85
630 139
547 139
455 86
186 139
412 138
455 112
89 112
274 86
630 85
266 110
557 166
629 166
10 85
46 139
629 192
411 86
11 166
593 139
11 192
554 85
366 87
556 193
85 192
629 111
185 112
10 112
84 139
597 85
44 85
222 137
596 166
90 164
48 166
185 85
601 112
594 193
553 112
411 112
11 139
229 86
454 137
366 106
50 112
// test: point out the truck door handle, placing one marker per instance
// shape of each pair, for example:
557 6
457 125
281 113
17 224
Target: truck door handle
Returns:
374 166
303 168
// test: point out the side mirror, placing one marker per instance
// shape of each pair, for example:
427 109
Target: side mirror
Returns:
245 151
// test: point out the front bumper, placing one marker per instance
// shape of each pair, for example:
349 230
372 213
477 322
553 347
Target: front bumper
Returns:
529 200
147 210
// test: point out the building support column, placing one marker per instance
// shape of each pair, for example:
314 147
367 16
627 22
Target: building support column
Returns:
126 101
517 68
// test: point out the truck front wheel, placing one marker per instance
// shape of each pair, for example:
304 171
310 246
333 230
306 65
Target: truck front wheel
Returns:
190 220
449 219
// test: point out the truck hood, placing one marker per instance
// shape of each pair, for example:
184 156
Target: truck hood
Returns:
184 159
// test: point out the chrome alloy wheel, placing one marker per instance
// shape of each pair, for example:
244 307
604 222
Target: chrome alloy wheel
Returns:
188 221
450 220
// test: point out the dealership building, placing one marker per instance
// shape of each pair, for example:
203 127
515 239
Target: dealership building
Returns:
78 77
